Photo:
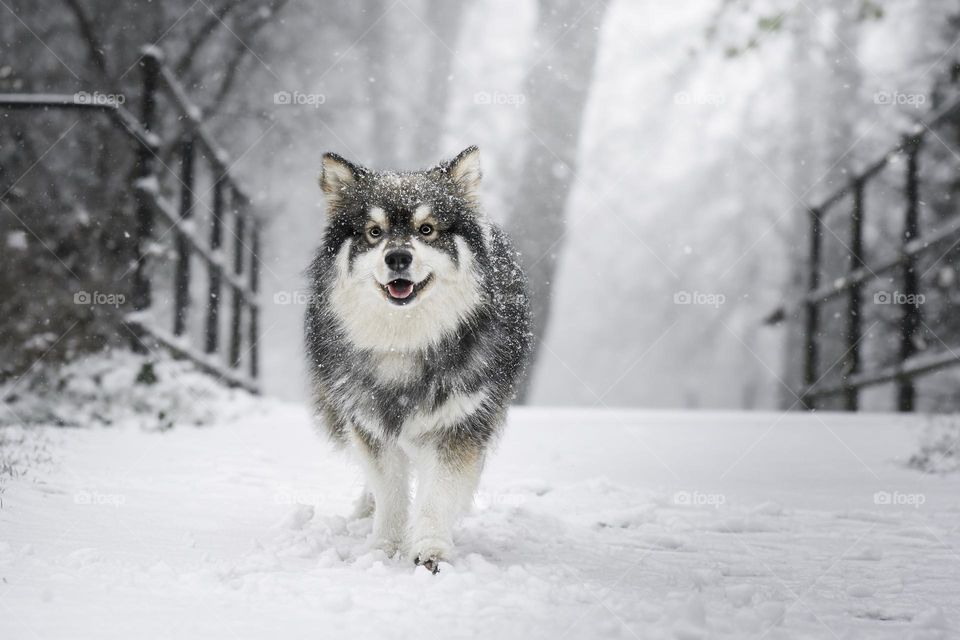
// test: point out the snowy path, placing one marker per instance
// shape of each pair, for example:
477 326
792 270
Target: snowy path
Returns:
589 524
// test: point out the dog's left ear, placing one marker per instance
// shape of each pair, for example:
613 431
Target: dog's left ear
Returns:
337 175
465 172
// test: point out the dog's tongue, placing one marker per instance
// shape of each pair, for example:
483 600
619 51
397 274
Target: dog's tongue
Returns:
400 288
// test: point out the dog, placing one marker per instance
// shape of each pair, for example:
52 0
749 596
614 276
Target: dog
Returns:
418 334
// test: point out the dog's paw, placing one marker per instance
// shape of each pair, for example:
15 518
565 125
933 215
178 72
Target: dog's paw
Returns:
430 552
389 546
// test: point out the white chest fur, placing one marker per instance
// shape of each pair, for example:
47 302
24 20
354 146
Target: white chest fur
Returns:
456 408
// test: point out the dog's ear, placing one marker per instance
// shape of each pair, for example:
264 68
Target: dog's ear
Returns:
464 170
337 175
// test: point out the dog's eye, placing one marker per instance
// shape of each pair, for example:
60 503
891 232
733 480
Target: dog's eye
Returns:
375 232
426 229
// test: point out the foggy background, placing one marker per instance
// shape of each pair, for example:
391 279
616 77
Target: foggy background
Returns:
650 159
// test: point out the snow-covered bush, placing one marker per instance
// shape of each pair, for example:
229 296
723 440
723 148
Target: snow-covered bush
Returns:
939 446
21 449
153 391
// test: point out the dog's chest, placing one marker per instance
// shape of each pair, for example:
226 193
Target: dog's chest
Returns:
397 368
396 388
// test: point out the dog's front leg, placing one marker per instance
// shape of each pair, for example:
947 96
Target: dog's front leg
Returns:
445 489
387 477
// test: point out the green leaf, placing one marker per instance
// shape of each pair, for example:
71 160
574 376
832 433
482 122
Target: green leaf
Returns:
771 23
147 375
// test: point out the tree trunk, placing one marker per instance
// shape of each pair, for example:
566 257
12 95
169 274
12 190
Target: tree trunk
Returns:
444 19
800 177
556 90
380 41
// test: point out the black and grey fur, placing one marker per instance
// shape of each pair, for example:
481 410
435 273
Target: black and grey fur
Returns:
418 333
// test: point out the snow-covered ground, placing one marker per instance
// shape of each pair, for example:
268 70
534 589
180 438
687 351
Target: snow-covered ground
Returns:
589 524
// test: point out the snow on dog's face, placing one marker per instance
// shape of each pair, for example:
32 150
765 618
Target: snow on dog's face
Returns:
409 248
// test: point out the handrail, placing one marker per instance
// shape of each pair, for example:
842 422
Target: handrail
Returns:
219 158
919 129
222 270
910 362
862 275
115 110
213 258
914 366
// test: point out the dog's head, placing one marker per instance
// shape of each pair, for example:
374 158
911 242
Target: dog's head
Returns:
407 246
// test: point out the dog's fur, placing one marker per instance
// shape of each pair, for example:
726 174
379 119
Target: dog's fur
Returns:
421 380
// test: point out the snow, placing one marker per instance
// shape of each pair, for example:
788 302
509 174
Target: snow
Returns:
589 523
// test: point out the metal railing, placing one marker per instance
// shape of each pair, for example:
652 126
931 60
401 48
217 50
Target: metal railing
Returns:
239 275
910 363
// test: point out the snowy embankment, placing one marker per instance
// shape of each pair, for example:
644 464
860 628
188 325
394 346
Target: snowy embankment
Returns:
589 524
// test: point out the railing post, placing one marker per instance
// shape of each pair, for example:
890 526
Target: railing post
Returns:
145 174
254 303
239 216
854 300
212 330
910 318
812 319
181 286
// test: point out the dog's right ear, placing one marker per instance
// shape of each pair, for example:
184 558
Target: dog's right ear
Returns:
337 175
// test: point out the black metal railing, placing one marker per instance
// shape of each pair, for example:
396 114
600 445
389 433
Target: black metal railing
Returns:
239 275
910 362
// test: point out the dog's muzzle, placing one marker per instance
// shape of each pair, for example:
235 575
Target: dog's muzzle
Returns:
400 289
398 260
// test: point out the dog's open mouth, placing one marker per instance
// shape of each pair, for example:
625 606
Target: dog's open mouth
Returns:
401 291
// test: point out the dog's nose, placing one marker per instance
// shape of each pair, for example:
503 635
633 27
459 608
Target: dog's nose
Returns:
398 259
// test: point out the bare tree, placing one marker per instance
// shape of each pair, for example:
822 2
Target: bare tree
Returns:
556 89
379 37
444 20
